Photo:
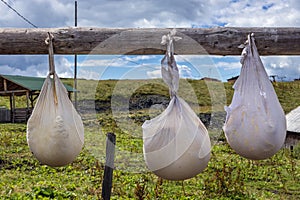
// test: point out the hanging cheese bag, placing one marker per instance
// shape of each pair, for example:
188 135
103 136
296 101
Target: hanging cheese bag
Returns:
176 143
55 131
255 125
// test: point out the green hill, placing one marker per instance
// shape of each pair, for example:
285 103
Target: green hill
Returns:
195 92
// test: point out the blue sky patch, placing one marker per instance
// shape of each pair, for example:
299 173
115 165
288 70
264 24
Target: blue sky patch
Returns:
267 6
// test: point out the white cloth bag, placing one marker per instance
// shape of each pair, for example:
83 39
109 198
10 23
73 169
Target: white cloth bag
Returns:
176 143
55 132
255 125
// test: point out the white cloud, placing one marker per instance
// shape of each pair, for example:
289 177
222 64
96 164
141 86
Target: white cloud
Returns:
186 58
139 58
153 23
29 71
282 66
142 13
39 12
184 72
37 67
145 13
63 67
154 74
116 61
228 65
260 13
100 63
86 74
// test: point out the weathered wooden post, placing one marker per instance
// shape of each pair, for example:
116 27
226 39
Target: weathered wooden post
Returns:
109 165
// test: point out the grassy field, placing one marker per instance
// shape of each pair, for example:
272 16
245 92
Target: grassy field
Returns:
228 176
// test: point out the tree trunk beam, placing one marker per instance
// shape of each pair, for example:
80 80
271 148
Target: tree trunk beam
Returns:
146 41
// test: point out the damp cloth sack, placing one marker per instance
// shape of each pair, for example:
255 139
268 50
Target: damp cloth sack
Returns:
255 125
176 144
55 133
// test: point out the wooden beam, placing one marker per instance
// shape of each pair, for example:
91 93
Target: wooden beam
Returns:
4 85
141 41
13 91
27 99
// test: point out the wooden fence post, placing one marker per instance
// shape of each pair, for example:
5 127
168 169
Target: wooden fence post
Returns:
109 165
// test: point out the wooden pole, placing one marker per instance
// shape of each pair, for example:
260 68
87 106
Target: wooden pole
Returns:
109 166
13 109
27 106
4 85
142 41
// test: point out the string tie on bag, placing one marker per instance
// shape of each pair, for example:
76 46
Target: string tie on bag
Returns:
169 69
247 46
168 40
49 42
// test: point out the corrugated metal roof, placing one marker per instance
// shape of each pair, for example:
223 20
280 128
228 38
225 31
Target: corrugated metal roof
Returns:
293 120
31 83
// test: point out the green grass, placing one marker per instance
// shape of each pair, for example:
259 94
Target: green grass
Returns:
228 176
22 177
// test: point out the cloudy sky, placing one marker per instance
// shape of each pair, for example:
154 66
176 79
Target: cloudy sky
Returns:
145 14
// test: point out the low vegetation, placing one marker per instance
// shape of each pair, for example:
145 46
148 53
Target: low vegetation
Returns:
228 176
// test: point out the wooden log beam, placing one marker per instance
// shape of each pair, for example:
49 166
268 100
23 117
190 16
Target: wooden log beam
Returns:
142 41
12 91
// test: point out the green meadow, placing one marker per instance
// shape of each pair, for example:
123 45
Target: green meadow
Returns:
121 107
